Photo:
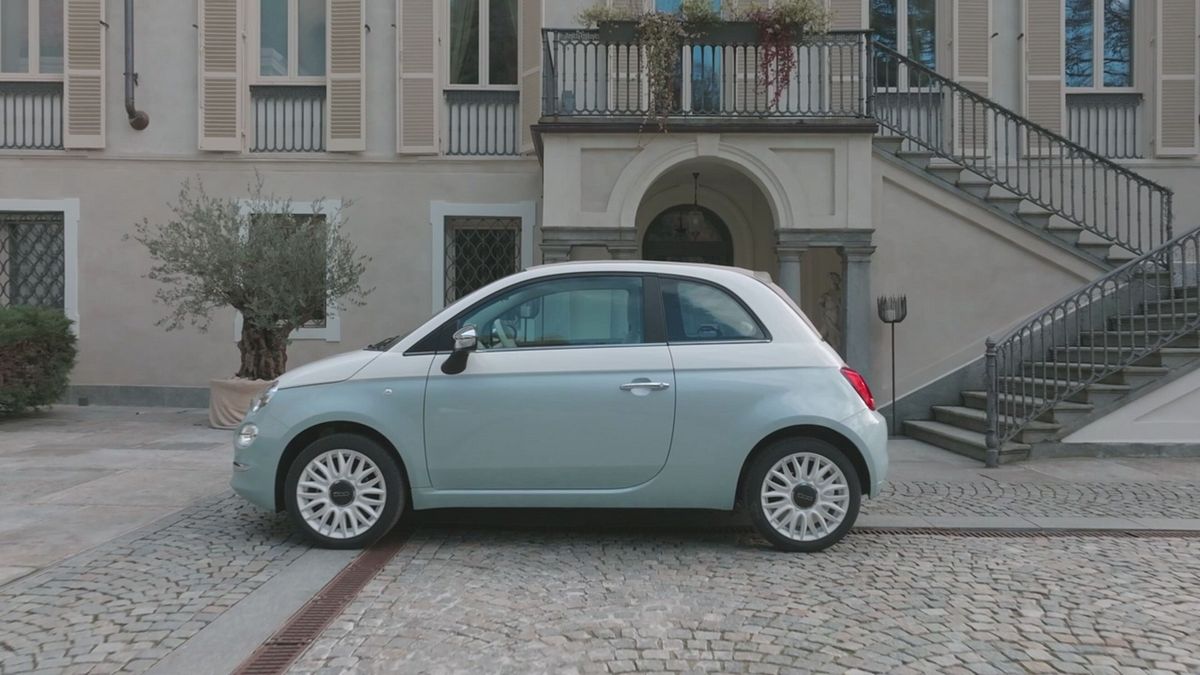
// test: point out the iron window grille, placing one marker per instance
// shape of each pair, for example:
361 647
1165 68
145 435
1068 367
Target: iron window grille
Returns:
32 260
478 252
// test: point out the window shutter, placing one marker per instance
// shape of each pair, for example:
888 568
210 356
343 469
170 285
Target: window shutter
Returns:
1045 100
628 87
531 70
972 68
416 53
1176 92
84 74
220 75
845 64
346 98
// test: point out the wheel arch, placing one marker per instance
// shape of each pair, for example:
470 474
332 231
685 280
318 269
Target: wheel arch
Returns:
831 436
302 440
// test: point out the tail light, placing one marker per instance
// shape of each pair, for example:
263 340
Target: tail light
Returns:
860 385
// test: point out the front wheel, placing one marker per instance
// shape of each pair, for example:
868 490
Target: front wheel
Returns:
803 494
345 491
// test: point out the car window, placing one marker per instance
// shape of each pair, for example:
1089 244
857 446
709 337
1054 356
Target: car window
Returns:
573 311
698 312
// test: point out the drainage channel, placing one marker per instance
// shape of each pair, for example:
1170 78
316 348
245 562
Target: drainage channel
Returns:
1027 532
278 652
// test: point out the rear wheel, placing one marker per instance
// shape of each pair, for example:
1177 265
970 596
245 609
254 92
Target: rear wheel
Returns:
345 491
803 494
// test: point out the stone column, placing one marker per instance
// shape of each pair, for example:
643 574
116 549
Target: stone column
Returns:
555 254
789 271
857 310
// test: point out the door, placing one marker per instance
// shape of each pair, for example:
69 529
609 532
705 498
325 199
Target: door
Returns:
564 391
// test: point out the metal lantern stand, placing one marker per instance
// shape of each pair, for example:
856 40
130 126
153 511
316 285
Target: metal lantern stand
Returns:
892 310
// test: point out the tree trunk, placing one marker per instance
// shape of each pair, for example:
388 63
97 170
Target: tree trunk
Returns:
264 352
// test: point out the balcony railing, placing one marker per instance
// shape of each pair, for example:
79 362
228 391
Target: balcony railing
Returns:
590 74
287 118
483 122
31 115
1107 124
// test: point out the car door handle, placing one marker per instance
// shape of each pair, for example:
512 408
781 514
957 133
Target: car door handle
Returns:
646 384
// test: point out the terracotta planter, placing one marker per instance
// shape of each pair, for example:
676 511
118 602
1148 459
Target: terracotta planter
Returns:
230 399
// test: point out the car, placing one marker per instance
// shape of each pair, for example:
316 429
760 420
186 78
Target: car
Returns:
606 384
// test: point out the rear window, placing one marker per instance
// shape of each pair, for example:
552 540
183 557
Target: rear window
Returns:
791 303
699 312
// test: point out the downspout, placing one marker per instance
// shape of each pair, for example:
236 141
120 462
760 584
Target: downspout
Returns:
138 119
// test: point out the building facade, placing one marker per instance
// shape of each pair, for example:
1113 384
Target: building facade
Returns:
984 157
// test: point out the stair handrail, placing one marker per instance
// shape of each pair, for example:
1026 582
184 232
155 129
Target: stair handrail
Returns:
1070 157
1017 393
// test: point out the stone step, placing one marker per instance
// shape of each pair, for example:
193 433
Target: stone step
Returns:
1061 412
1135 338
1118 255
975 184
1140 322
962 441
1134 376
918 158
1055 388
1006 202
1173 305
891 144
1186 292
1169 357
1068 232
944 170
975 419
1034 215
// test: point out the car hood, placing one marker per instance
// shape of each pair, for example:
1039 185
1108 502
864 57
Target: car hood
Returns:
332 369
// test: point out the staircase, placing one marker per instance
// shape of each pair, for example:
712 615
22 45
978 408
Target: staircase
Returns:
1126 333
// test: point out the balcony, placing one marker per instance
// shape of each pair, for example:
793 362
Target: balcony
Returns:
483 122
31 115
592 74
287 118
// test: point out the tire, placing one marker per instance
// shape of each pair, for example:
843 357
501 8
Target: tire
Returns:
340 505
786 503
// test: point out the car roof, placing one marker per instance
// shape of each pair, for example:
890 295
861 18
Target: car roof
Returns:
702 270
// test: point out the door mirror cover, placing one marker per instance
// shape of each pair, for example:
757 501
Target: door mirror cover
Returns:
465 339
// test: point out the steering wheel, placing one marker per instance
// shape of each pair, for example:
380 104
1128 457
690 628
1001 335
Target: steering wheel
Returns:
501 331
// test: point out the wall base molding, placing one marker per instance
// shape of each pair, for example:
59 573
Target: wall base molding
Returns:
137 395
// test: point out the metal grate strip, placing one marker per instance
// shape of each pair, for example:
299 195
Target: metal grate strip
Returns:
1026 533
278 652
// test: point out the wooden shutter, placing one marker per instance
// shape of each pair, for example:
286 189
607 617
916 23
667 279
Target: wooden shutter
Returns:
1175 102
845 63
628 87
848 14
220 75
972 69
346 98
1045 100
531 69
83 36
416 51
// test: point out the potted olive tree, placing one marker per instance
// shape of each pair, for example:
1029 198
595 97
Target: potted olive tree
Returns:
280 269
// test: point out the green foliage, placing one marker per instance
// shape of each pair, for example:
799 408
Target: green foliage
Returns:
779 27
279 269
600 13
37 352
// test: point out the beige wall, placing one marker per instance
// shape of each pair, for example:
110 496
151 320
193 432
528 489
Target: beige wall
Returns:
389 220
1167 415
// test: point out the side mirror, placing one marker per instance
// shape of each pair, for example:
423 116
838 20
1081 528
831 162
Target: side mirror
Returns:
465 342
465 339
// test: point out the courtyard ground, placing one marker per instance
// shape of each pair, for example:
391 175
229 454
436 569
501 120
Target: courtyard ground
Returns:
122 550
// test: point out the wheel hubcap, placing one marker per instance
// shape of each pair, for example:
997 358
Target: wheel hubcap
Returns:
805 496
341 494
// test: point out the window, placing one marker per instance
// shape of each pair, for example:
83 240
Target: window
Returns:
1099 31
480 250
698 312
32 259
909 27
566 312
483 43
291 39
31 37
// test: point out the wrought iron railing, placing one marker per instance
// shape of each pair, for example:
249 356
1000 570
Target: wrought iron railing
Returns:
287 118
1093 333
32 266
1108 124
590 73
949 120
31 115
483 122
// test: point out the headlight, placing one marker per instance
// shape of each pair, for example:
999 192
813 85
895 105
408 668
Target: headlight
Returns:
264 398
246 435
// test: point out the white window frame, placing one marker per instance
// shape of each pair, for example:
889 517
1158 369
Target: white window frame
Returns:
484 55
440 211
35 73
1097 86
332 330
69 208
902 46
254 34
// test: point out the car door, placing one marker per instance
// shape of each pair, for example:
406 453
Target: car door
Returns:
566 390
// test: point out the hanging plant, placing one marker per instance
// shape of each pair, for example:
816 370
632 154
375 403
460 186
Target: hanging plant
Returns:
780 27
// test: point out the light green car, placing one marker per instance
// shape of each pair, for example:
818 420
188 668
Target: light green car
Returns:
594 385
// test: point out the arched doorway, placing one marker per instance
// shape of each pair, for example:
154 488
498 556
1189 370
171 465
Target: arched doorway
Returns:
688 233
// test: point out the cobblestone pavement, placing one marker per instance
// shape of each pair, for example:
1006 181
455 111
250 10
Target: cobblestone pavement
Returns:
471 600
986 498
124 605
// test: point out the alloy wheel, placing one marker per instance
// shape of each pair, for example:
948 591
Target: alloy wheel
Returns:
341 494
805 496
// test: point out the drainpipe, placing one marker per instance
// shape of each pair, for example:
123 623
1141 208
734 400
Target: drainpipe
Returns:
138 119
